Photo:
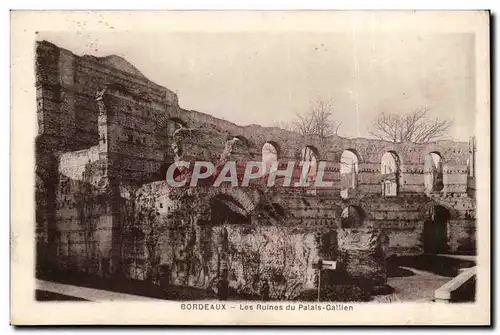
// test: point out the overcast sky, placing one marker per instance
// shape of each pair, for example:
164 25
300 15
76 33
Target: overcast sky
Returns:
264 78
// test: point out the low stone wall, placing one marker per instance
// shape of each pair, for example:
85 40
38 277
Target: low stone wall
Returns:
245 255
199 255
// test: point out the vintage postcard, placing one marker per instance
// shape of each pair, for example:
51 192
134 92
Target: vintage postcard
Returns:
250 168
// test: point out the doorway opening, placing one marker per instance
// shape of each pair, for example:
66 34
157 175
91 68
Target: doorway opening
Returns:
436 230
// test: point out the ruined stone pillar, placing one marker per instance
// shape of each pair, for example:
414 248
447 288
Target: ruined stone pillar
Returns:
363 255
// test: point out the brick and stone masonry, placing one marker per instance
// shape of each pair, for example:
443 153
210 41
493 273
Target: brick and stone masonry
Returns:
106 136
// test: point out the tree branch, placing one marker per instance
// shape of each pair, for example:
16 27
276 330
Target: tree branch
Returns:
411 127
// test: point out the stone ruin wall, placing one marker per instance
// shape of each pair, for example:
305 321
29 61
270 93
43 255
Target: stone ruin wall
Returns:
190 250
124 153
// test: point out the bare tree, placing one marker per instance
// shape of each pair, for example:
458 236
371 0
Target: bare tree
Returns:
317 121
304 123
415 127
323 124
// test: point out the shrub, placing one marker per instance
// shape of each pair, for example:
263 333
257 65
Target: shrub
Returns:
339 293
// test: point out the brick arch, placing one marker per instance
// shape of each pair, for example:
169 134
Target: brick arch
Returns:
274 144
391 180
358 212
433 151
241 138
354 151
392 150
397 157
161 123
425 209
454 153
269 159
361 204
313 148
443 163
241 147
237 194
338 157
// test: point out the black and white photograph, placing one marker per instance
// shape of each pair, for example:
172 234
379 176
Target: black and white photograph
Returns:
243 169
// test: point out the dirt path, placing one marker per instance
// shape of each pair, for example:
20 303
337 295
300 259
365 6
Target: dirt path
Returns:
419 287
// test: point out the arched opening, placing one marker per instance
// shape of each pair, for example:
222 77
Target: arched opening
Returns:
470 165
468 169
436 230
310 155
390 170
269 157
242 139
349 165
236 149
352 217
237 145
173 124
224 209
433 172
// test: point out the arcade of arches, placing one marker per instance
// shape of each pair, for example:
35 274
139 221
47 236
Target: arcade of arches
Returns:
422 196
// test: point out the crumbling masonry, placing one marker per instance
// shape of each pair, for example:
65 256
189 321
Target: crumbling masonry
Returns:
106 136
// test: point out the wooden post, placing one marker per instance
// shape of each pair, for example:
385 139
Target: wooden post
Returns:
318 266
319 282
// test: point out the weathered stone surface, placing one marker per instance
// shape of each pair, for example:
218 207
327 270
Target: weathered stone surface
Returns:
363 253
106 137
